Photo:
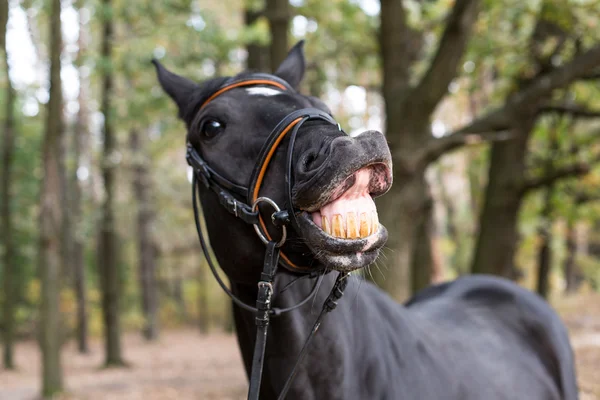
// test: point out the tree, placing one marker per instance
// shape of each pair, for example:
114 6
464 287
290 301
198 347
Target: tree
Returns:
51 255
278 14
108 257
406 209
146 247
258 53
6 199
508 181
80 136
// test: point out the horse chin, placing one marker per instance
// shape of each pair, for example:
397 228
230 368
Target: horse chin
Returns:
341 254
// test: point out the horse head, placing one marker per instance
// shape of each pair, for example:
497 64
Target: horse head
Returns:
331 178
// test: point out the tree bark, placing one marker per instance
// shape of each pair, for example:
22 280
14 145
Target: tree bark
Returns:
279 14
80 138
108 258
51 219
496 242
9 274
545 253
258 55
145 242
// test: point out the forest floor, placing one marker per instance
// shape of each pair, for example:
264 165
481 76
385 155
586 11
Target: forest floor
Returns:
185 365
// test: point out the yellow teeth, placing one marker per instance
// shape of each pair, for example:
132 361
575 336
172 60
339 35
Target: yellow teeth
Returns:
325 225
364 225
353 226
352 231
374 222
337 226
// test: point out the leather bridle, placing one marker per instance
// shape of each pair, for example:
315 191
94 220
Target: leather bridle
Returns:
229 195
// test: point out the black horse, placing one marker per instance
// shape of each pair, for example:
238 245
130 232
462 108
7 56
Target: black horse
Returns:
475 338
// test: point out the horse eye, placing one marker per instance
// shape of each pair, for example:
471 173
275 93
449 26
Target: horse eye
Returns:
212 128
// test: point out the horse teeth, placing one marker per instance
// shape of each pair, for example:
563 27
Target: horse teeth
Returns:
325 224
337 226
364 225
352 228
374 222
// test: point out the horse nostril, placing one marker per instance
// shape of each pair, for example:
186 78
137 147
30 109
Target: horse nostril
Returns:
312 161
309 159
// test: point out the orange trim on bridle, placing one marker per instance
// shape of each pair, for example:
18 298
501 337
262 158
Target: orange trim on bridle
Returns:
241 84
261 175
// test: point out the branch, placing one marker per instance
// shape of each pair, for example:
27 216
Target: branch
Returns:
437 147
494 125
583 198
556 175
593 76
572 110
443 68
399 47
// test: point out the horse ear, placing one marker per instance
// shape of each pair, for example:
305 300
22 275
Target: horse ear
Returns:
177 87
292 68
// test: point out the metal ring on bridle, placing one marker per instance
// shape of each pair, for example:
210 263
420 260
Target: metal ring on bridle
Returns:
256 227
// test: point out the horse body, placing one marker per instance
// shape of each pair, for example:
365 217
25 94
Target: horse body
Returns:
475 338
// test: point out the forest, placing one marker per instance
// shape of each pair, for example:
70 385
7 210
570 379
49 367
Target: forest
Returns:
491 110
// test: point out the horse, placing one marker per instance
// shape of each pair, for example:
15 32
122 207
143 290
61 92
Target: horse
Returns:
254 137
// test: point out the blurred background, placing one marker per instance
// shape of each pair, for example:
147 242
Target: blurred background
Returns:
491 109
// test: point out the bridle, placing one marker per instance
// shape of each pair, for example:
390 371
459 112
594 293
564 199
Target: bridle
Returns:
229 195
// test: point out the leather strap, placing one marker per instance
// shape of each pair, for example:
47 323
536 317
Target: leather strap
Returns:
330 304
208 175
263 306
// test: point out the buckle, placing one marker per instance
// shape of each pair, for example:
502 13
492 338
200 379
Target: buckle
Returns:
232 204
265 284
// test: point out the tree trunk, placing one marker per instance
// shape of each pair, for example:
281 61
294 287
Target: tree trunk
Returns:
145 242
6 224
405 212
203 306
278 14
258 55
51 220
108 259
178 294
572 276
80 138
496 242
402 210
545 253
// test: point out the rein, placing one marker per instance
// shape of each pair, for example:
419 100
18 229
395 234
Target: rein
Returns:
229 194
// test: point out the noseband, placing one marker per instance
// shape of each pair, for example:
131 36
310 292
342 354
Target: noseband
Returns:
229 195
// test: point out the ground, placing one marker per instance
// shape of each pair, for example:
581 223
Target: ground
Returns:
582 316
185 365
